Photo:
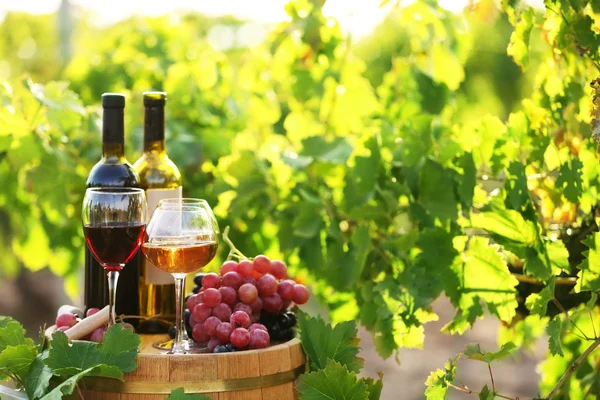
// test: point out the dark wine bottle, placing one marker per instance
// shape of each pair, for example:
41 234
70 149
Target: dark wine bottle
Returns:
161 179
113 170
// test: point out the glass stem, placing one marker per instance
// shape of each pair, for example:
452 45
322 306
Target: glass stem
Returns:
113 278
178 344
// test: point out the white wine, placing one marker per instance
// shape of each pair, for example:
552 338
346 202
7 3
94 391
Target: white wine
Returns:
161 179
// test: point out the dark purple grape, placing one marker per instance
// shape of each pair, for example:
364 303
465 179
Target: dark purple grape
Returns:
198 278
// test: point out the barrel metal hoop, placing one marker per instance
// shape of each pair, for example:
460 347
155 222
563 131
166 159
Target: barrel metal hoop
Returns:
212 386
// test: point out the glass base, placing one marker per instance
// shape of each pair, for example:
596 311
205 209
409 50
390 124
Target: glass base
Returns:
191 346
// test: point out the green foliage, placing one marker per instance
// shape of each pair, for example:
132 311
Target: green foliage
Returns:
385 180
50 374
332 382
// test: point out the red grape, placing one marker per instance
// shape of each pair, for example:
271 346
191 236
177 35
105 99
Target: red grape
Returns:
247 293
127 325
240 319
67 320
212 343
278 269
262 264
63 328
286 289
301 294
91 311
212 297
243 307
258 326
245 268
223 331
97 335
211 280
259 339
267 285
256 274
285 304
256 305
201 313
240 338
211 324
228 295
222 311
193 301
199 333
272 304
248 279
228 266
232 279
194 321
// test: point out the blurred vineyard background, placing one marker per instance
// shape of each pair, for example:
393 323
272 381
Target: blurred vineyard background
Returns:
293 130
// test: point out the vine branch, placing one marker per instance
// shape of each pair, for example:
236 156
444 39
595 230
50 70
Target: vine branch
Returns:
558 280
563 379
562 309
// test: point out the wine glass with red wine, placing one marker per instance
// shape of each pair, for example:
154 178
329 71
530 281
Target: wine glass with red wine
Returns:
181 238
114 222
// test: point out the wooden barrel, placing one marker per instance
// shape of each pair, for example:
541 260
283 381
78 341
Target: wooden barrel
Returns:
249 375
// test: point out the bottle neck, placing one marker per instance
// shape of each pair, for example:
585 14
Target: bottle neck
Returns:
113 134
154 129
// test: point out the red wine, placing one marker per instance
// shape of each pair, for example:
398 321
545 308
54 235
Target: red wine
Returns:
114 245
113 170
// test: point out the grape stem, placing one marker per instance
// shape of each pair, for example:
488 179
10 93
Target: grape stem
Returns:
234 252
563 379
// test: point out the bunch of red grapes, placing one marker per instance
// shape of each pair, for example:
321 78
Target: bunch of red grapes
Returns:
226 309
68 319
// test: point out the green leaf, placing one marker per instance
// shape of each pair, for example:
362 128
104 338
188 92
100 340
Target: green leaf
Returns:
436 191
39 377
505 223
569 180
518 47
486 394
17 360
333 382
308 221
589 274
474 352
179 394
12 334
437 382
466 180
117 353
555 331
361 180
484 276
374 387
67 386
321 342
537 303
336 151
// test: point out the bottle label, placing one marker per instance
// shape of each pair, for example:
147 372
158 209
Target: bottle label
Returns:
153 275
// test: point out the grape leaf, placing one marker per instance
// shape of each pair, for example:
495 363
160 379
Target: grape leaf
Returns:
437 382
336 151
484 276
466 181
569 180
589 274
474 352
518 47
179 394
333 382
537 303
374 387
321 342
486 394
12 334
17 360
68 385
506 224
555 331
436 191
116 355
39 377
